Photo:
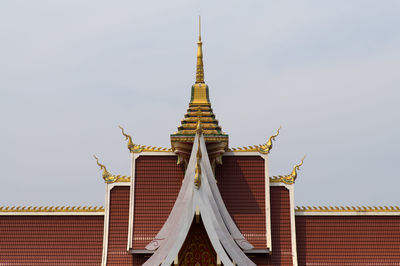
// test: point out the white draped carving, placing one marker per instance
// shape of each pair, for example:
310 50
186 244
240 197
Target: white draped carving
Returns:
223 233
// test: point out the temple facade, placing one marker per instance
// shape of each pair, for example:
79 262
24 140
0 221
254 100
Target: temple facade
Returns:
200 202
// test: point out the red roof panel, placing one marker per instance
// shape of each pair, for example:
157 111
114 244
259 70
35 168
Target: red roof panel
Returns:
280 227
241 181
118 227
348 240
158 180
51 240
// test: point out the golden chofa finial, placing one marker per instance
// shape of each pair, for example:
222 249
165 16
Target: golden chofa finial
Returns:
290 179
106 175
108 178
199 65
131 146
266 148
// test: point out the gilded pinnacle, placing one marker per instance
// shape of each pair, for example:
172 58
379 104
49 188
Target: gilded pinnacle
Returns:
199 65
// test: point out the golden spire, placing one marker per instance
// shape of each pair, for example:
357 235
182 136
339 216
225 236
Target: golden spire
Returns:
199 66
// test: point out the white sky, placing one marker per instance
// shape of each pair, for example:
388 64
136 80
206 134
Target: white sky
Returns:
72 71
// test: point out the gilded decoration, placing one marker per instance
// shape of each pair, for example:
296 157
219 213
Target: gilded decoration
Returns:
288 179
266 148
52 209
135 148
199 109
347 209
197 248
262 148
197 176
109 178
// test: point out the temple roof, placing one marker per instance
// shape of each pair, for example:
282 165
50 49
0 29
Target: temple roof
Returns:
199 195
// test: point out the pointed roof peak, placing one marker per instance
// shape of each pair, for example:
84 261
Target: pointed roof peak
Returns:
199 110
199 29
199 65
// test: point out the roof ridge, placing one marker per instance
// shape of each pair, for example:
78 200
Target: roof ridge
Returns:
51 208
347 209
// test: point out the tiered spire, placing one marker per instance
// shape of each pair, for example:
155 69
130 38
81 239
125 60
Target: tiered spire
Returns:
199 110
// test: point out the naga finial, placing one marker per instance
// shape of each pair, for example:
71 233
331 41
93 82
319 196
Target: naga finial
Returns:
199 128
290 179
197 176
131 146
266 148
108 178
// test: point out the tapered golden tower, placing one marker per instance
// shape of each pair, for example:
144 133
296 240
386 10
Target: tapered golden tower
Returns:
199 110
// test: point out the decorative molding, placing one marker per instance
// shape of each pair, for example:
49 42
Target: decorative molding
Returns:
254 148
109 178
155 149
106 223
132 200
232 153
288 179
267 203
281 179
347 209
261 148
51 210
136 148
293 226
124 179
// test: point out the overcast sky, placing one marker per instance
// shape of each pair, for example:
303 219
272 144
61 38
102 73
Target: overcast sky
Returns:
327 71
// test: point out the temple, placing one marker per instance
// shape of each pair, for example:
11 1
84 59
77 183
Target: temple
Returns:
200 202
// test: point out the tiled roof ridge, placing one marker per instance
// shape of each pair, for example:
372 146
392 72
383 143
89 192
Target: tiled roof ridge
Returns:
347 209
136 148
51 209
261 148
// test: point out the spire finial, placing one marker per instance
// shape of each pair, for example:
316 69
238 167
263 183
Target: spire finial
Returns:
199 28
199 66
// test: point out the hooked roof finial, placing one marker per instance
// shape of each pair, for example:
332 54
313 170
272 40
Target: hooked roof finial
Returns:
293 175
199 65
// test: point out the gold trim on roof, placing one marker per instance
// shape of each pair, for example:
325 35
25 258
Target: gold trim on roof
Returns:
253 148
266 148
124 179
288 179
154 149
52 209
109 178
131 146
175 138
347 209
262 148
136 148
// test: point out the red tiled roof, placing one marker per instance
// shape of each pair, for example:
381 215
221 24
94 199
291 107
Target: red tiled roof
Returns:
118 227
281 235
51 240
280 227
158 180
241 181
348 240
